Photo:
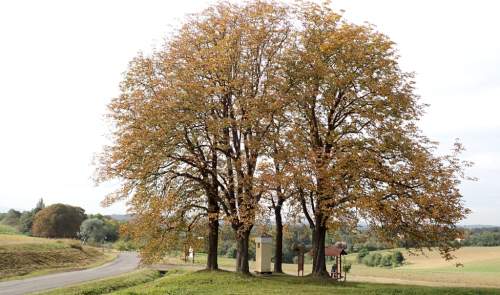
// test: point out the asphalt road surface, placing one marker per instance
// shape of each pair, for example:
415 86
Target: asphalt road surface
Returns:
125 262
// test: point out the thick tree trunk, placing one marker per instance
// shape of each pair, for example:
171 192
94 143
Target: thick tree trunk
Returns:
278 254
242 240
319 263
213 234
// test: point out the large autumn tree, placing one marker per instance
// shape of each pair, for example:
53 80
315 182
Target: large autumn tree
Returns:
246 106
192 120
357 150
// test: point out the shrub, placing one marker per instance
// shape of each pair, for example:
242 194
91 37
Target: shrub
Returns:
231 252
346 268
222 250
251 254
371 246
372 260
386 261
362 254
120 245
397 258
368 260
377 258
350 248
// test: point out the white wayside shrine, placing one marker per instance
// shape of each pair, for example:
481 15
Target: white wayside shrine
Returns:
263 253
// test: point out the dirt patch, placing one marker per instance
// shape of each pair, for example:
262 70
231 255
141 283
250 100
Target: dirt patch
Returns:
19 262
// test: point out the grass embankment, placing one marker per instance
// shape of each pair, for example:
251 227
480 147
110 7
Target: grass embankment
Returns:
23 256
108 285
225 282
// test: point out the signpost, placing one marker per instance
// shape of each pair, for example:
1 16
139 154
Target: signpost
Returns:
300 259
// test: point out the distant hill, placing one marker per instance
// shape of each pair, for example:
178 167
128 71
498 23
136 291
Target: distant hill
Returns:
478 226
120 217
4 209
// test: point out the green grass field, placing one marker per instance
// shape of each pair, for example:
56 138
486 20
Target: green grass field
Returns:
225 282
481 267
5 229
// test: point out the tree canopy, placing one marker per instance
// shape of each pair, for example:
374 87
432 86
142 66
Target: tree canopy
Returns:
93 229
248 106
58 221
11 218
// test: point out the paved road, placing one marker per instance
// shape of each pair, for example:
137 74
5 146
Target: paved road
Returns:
125 262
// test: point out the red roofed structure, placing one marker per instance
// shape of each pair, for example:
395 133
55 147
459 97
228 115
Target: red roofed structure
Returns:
336 272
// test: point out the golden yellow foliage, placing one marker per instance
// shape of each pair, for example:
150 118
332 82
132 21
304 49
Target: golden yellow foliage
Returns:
248 106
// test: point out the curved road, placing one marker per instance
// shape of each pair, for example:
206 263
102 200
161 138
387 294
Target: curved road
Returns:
125 262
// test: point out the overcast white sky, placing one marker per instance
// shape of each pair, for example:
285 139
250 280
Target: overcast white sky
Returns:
61 63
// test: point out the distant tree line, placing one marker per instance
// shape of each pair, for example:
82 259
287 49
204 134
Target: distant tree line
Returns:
62 221
482 237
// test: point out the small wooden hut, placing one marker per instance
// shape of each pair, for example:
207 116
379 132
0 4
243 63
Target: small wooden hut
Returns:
336 271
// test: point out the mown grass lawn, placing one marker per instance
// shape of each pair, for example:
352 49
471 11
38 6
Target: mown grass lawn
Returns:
179 281
481 266
225 282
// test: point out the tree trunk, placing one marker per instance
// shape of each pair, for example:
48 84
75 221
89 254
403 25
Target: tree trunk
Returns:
242 240
213 234
319 263
278 254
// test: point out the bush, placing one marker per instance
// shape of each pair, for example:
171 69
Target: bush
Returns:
350 248
361 255
222 250
377 259
120 245
368 260
251 254
231 252
372 260
386 261
397 258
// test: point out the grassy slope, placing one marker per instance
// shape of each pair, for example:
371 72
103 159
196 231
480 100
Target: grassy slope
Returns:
223 282
23 256
107 285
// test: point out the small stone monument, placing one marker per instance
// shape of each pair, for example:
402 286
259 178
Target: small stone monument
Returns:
263 253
